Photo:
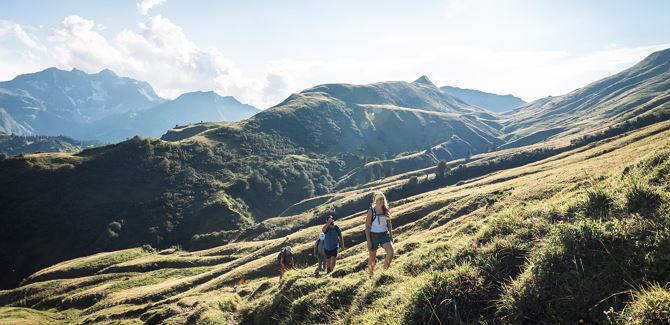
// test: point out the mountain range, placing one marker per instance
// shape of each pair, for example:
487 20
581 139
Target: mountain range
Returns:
493 211
635 93
16 144
102 106
215 176
493 102
107 108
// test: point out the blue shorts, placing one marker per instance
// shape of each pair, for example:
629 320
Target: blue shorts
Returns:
379 239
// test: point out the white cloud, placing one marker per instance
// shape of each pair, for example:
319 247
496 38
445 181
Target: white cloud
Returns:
159 52
19 51
144 6
528 74
8 28
173 62
534 74
77 43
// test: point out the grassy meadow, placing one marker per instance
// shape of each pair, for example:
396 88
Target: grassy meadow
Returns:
582 236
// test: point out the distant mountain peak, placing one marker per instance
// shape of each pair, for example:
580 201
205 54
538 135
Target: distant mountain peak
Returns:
423 80
490 101
107 73
657 58
199 94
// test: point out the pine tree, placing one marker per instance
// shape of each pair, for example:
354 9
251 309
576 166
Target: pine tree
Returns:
442 170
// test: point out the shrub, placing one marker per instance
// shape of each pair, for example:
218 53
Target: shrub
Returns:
148 248
639 196
649 306
441 170
572 277
523 224
294 293
656 167
503 258
596 202
449 297
413 181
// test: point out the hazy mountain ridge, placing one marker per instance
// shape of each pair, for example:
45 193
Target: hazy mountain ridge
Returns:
15 144
641 90
10 126
81 97
226 173
192 107
102 106
492 102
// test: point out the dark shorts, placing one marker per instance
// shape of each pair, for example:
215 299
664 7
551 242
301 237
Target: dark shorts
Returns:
331 253
379 239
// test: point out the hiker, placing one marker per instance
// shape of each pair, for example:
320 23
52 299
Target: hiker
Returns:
332 242
285 259
320 254
379 231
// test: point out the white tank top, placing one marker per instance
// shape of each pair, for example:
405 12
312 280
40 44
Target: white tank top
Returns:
378 222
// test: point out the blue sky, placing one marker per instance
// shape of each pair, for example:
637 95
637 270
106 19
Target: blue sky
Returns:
261 51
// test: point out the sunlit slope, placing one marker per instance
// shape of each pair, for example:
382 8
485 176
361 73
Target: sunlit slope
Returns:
210 178
549 241
642 91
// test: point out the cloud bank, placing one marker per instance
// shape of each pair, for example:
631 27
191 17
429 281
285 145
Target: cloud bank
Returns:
159 51
144 6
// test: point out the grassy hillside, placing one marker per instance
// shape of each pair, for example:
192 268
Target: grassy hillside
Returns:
580 236
14 144
639 92
209 179
522 234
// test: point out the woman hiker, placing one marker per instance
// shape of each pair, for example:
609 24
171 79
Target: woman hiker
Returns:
379 231
332 242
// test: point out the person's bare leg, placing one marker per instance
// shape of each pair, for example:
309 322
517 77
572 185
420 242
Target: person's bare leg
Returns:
388 247
334 261
329 264
372 260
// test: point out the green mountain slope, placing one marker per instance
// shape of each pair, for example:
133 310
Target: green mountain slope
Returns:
14 144
492 102
505 248
514 234
640 91
212 177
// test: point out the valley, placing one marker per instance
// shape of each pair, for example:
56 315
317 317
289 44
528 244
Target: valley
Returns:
554 211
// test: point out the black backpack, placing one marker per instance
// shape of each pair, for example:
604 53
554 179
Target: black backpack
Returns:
286 255
374 216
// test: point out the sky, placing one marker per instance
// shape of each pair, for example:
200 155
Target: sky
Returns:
262 51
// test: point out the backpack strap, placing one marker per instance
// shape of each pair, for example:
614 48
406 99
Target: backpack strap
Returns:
374 215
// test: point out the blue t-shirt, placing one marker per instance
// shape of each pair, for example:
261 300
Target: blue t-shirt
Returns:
332 241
